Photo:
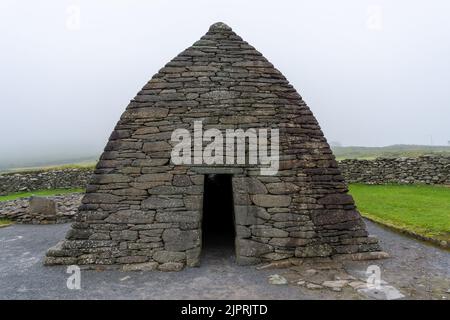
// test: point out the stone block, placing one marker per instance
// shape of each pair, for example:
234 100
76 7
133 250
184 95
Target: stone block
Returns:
180 240
250 248
169 256
319 250
42 206
171 266
267 200
155 202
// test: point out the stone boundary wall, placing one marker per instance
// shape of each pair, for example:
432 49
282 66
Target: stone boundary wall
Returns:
424 169
19 210
44 179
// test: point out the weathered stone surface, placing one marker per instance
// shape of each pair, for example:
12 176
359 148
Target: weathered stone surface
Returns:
243 232
101 198
248 185
169 256
19 210
110 178
268 201
153 177
156 146
268 232
249 215
142 209
428 169
250 248
132 216
333 217
320 250
42 206
277 279
179 240
181 180
282 188
147 266
193 257
219 95
247 261
150 112
178 216
171 266
44 179
128 235
131 259
275 256
193 202
155 202
288 242
336 199
176 190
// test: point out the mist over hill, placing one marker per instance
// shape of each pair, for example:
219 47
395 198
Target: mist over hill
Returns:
8 164
341 152
393 151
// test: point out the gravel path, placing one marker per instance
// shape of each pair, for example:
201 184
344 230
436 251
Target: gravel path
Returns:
416 269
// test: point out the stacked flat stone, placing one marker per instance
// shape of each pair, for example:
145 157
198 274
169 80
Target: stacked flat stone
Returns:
21 212
44 179
142 212
428 169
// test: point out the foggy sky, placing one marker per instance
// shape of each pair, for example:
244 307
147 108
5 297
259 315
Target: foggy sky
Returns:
373 72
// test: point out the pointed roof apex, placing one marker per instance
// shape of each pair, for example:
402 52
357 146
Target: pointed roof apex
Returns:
219 27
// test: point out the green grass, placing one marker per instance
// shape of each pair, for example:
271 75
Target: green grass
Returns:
4 222
50 192
78 165
420 209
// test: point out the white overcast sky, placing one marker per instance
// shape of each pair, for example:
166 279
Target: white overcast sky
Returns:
373 72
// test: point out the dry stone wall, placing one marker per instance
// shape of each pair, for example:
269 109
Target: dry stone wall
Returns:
41 180
143 212
424 169
41 210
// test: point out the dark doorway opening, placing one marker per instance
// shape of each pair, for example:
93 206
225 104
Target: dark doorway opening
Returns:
218 212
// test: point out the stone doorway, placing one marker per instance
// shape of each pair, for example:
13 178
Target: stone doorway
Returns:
218 226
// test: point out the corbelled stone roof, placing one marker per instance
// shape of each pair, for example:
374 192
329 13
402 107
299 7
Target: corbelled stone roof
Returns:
142 211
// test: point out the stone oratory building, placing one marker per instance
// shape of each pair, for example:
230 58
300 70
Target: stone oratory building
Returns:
143 212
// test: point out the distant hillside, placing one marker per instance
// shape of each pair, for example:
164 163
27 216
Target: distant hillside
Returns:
394 151
341 153
29 164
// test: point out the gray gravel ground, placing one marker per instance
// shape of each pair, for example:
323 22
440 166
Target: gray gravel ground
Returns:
416 269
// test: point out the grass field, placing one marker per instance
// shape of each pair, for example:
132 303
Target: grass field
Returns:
419 209
50 192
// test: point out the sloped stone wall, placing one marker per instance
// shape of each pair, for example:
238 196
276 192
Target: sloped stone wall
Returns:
142 211
41 180
424 169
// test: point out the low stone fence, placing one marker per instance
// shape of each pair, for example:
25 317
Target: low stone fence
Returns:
424 169
41 180
41 210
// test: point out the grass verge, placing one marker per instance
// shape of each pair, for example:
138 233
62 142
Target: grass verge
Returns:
419 210
5 223
50 192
